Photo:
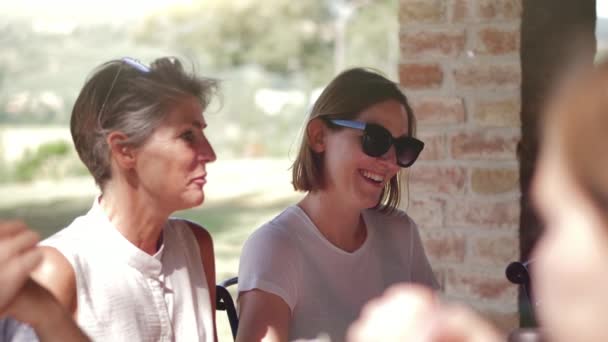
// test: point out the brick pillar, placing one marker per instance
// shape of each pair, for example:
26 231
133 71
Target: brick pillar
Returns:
460 67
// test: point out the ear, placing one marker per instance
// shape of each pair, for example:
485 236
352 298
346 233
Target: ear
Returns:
316 131
122 153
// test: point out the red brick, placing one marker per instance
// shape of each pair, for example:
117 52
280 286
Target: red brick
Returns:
439 272
499 9
438 110
437 179
494 41
493 181
420 76
460 11
432 43
444 246
479 284
422 11
478 213
434 145
495 250
497 76
427 212
484 145
498 112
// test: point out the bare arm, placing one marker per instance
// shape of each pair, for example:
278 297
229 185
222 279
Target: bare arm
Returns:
57 275
18 257
205 244
37 307
23 298
262 317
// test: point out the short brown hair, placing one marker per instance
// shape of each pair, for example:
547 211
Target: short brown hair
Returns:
120 96
345 97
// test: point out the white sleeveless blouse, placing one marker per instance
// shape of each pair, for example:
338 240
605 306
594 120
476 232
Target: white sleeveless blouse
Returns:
125 294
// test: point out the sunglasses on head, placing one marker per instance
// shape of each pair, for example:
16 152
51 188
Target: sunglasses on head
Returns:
377 140
133 63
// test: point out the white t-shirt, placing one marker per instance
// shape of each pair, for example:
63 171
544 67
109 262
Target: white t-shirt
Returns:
324 286
125 294
14 331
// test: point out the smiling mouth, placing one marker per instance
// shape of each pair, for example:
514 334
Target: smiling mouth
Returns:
372 177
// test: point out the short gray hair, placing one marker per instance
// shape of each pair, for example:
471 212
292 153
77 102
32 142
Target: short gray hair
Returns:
122 96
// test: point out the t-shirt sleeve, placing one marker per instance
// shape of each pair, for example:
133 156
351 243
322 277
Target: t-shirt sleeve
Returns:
15 331
422 272
268 263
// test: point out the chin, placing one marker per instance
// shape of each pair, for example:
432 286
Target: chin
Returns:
370 201
368 204
192 200
198 201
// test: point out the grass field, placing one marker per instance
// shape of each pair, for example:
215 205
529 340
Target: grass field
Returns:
240 196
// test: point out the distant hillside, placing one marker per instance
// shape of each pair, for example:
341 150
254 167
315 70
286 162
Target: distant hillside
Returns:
46 69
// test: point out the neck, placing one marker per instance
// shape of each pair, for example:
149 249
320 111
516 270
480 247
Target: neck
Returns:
135 215
341 225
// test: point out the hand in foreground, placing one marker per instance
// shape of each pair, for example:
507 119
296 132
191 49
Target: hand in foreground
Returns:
408 312
18 257
23 298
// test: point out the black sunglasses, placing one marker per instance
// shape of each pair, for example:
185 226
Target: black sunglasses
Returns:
377 140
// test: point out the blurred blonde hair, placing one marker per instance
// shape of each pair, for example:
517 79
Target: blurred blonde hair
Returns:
577 121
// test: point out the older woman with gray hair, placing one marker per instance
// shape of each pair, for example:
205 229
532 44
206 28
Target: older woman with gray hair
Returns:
127 270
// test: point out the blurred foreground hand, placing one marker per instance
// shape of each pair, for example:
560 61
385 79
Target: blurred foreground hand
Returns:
18 258
408 312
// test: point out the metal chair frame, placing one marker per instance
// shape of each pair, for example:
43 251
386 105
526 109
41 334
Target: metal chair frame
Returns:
224 302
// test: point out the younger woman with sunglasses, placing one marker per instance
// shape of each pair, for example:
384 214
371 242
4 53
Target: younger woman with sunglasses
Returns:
307 273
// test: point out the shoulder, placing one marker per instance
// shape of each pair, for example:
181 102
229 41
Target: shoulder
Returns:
57 275
204 241
273 245
270 238
202 235
78 235
281 229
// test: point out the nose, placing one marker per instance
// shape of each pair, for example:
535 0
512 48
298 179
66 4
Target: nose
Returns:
390 157
206 153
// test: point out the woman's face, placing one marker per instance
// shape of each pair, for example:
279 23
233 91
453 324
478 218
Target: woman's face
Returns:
570 269
354 176
171 165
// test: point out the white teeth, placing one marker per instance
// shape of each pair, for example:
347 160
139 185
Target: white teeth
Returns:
373 176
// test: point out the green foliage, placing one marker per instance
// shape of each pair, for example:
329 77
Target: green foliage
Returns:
277 45
47 69
49 160
279 35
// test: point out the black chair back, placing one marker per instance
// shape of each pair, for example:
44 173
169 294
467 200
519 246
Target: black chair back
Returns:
224 302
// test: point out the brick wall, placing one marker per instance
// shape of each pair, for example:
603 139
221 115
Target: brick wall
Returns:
460 67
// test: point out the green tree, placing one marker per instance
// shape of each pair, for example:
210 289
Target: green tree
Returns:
281 36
